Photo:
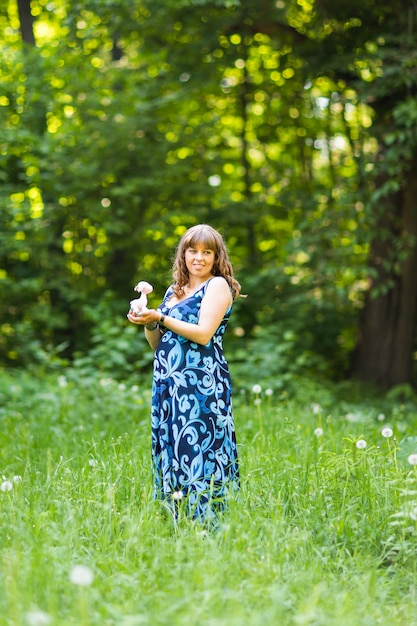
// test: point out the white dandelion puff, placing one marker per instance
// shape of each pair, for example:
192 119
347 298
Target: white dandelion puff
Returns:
177 495
92 462
257 389
105 382
81 575
387 432
361 444
38 618
412 459
316 408
62 382
381 417
269 392
17 479
257 401
318 432
6 485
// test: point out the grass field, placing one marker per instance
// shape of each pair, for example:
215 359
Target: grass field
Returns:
323 533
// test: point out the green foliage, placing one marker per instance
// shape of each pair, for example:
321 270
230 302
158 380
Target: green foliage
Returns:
314 510
117 348
289 126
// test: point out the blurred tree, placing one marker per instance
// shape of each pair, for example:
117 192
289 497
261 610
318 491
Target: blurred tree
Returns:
372 47
26 21
285 124
369 48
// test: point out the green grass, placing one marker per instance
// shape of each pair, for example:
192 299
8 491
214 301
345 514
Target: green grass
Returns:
322 533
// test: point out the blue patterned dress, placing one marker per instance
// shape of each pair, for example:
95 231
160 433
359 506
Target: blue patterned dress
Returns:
193 436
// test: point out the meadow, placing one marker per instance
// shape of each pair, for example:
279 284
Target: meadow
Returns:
323 532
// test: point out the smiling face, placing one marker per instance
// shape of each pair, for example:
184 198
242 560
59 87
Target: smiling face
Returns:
201 254
199 261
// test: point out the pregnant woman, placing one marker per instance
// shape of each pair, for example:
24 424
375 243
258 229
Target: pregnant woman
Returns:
193 436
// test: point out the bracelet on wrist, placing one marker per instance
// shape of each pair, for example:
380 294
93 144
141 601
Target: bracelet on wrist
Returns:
161 319
153 327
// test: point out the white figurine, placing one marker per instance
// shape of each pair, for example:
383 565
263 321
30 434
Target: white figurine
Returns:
139 305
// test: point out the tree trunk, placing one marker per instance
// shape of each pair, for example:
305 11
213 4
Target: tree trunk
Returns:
26 21
387 326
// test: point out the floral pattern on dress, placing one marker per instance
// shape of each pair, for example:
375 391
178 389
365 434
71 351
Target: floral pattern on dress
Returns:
194 450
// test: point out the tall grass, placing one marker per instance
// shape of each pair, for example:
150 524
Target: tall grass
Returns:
322 533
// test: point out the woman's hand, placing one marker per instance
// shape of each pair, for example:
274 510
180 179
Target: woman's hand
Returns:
148 317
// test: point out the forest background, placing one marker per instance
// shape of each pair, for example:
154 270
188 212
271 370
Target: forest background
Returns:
289 125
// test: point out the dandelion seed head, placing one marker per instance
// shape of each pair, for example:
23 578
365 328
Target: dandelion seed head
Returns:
62 382
177 495
361 444
92 462
257 389
315 408
257 401
318 432
387 432
381 417
17 479
121 386
6 485
105 382
269 392
412 459
81 575
37 618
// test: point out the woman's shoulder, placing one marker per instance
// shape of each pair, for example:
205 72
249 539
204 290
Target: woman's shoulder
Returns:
218 285
217 282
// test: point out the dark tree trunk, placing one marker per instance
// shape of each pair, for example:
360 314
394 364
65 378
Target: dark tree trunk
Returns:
387 325
26 21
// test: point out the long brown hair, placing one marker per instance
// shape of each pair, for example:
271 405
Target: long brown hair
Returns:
205 235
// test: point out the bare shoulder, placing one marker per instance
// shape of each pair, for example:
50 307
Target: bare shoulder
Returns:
218 283
218 287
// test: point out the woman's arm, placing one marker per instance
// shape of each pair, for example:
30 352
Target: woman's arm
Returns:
214 305
153 337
